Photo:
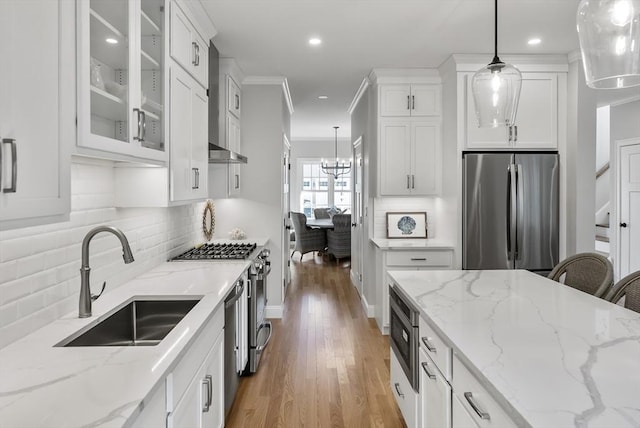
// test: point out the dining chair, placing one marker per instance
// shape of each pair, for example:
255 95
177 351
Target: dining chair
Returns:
339 238
321 213
588 272
307 239
629 288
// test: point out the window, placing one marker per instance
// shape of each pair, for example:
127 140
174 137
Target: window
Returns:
320 190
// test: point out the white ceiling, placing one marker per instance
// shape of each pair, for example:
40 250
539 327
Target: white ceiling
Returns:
270 38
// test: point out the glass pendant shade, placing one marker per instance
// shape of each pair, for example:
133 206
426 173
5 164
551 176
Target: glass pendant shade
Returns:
496 91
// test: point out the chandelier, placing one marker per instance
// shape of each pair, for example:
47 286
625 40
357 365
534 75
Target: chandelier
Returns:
336 168
496 89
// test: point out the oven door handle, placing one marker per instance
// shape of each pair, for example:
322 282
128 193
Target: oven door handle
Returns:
232 300
266 342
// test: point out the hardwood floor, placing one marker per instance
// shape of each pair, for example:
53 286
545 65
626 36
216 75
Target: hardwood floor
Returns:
327 365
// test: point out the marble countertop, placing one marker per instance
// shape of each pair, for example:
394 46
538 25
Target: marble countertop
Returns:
553 356
412 244
46 386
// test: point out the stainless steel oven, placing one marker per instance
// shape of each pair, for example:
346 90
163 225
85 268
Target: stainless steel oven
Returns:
403 334
259 328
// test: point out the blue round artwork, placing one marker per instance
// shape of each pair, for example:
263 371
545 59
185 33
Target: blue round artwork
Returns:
407 225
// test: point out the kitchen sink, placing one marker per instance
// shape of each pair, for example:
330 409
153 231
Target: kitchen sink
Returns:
143 322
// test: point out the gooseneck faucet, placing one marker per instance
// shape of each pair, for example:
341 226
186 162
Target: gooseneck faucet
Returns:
85 288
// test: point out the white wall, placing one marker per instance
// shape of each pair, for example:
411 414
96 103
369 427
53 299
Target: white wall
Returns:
39 266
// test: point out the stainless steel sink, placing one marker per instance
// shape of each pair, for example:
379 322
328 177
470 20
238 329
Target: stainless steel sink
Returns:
143 322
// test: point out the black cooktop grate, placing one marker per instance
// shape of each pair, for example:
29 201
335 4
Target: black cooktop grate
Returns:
230 251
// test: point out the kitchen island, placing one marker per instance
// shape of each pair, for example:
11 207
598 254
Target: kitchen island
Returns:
549 355
42 385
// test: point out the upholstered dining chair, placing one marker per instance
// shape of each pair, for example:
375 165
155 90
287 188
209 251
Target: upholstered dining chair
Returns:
321 213
307 239
629 288
339 238
588 272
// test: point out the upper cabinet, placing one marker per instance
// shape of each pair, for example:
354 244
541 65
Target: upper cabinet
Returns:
188 47
406 100
536 119
121 77
233 97
37 111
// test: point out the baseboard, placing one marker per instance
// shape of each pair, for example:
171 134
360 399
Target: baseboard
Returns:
368 309
273 312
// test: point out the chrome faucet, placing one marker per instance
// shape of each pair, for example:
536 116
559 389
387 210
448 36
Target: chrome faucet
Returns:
85 288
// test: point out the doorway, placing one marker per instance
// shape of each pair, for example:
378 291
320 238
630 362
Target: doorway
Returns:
357 233
628 206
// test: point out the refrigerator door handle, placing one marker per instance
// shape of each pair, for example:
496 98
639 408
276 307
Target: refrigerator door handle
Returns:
519 209
509 212
512 213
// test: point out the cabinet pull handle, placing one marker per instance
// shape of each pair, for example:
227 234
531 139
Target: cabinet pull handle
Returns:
413 181
237 181
195 178
408 103
144 125
207 383
14 165
408 181
237 102
472 402
196 54
515 133
413 102
425 367
400 394
428 345
137 112
418 259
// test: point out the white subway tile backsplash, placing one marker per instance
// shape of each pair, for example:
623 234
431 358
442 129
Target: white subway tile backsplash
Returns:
39 266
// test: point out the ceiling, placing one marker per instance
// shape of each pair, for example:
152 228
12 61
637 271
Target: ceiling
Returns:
270 38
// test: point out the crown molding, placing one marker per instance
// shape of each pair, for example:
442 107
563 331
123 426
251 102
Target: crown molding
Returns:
525 63
359 94
404 75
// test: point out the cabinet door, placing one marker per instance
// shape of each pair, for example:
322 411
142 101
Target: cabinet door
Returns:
199 142
187 47
395 100
213 415
36 110
395 157
460 418
181 116
425 159
425 100
537 119
435 396
233 97
233 138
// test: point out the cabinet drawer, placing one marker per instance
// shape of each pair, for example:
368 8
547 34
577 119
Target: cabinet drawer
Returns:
433 346
405 396
467 389
435 396
427 258
189 364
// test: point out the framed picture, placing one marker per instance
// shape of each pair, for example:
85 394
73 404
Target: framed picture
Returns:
407 225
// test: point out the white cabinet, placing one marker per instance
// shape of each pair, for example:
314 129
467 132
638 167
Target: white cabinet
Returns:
189 148
410 157
233 141
188 47
536 120
233 97
121 77
404 394
410 100
154 413
480 407
394 259
37 111
459 415
435 396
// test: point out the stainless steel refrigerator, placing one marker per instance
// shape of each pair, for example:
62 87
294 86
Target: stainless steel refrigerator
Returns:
510 218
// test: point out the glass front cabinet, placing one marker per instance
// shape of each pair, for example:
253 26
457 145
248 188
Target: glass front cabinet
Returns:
121 77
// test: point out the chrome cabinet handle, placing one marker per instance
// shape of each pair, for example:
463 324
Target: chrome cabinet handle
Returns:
430 375
195 48
400 394
138 136
515 133
14 165
408 181
195 179
510 134
418 259
237 181
413 102
472 402
144 125
428 345
208 383
413 181
237 102
408 103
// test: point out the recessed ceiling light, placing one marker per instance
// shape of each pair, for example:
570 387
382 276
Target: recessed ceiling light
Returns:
314 41
322 97
534 41
111 41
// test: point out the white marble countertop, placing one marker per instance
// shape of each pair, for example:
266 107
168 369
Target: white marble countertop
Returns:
412 244
46 386
552 355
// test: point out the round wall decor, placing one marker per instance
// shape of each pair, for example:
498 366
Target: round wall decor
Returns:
208 220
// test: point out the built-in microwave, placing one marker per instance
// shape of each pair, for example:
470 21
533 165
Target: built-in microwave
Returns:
403 334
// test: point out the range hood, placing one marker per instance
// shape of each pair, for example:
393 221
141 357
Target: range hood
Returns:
219 154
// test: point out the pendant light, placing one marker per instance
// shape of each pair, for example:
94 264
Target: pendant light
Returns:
496 89
609 33
336 168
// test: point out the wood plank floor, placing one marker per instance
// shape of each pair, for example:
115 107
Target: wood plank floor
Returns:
327 364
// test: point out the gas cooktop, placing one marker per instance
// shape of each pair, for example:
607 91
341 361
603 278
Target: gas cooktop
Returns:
230 251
